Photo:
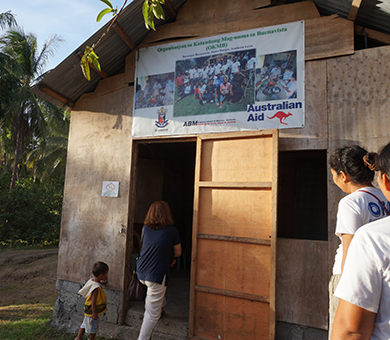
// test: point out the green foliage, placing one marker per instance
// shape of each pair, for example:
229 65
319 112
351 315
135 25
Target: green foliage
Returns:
7 20
31 213
151 9
23 116
106 10
103 13
89 57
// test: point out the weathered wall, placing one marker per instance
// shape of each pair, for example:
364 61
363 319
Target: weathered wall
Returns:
358 102
320 32
302 282
99 150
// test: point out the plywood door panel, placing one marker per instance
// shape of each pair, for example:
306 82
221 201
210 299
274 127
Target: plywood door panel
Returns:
220 317
234 237
243 160
234 266
218 212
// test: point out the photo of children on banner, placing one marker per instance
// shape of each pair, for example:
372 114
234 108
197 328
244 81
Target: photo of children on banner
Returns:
275 76
156 90
225 80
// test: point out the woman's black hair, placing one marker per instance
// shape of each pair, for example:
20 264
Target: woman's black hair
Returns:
382 160
349 159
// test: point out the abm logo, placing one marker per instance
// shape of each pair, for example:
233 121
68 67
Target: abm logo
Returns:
191 123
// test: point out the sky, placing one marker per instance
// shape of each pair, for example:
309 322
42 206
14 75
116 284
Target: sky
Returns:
73 20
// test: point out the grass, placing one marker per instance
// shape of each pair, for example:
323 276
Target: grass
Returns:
188 106
28 295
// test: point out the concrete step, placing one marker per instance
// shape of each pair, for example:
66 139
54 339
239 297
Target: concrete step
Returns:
171 326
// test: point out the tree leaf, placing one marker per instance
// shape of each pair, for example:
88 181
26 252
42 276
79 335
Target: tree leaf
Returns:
96 63
94 55
155 13
160 11
150 20
86 71
108 3
151 24
145 11
103 13
84 58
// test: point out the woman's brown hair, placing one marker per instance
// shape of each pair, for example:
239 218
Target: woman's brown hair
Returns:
159 216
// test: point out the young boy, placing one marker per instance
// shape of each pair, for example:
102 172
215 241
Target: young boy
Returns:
95 303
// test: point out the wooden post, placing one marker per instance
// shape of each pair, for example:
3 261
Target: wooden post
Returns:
353 12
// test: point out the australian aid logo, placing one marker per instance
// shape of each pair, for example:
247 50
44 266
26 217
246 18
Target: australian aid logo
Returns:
275 114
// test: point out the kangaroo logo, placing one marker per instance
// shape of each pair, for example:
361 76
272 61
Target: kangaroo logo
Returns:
281 115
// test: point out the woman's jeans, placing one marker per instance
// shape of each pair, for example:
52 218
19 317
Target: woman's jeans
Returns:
154 302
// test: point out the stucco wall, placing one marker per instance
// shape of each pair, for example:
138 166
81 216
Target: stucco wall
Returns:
99 150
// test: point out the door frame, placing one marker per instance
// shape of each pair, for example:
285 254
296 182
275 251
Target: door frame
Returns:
132 192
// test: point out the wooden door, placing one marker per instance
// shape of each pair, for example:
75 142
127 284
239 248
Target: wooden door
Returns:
234 236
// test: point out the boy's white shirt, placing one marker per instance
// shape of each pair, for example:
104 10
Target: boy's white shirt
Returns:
89 287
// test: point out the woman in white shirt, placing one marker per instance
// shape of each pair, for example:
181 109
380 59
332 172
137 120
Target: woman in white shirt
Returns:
364 289
351 167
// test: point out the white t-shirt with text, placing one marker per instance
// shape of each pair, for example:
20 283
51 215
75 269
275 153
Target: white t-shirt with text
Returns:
354 211
366 277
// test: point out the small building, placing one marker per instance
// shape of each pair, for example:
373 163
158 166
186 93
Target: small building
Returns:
255 208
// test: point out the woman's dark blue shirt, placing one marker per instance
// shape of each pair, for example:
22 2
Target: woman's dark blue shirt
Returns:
156 252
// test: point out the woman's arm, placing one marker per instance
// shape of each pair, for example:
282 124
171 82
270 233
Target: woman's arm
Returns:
352 322
347 238
177 250
176 253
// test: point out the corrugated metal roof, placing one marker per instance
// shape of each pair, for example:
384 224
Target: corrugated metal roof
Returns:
374 14
68 80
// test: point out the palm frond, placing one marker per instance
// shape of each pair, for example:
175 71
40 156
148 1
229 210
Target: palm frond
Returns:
7 20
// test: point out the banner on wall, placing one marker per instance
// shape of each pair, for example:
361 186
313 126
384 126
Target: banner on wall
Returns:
247 80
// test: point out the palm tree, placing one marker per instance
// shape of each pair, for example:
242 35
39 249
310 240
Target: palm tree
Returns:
7 20
23 65
6 88
48 159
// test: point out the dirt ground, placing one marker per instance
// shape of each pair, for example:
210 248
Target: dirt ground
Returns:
28 276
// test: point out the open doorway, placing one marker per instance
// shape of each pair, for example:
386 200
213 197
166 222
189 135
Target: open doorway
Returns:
165 170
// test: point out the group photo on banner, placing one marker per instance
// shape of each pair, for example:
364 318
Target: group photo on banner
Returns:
241 81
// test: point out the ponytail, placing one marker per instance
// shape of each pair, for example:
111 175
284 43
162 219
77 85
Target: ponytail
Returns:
349 159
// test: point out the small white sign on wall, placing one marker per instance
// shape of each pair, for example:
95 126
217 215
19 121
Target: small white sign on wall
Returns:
110 189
